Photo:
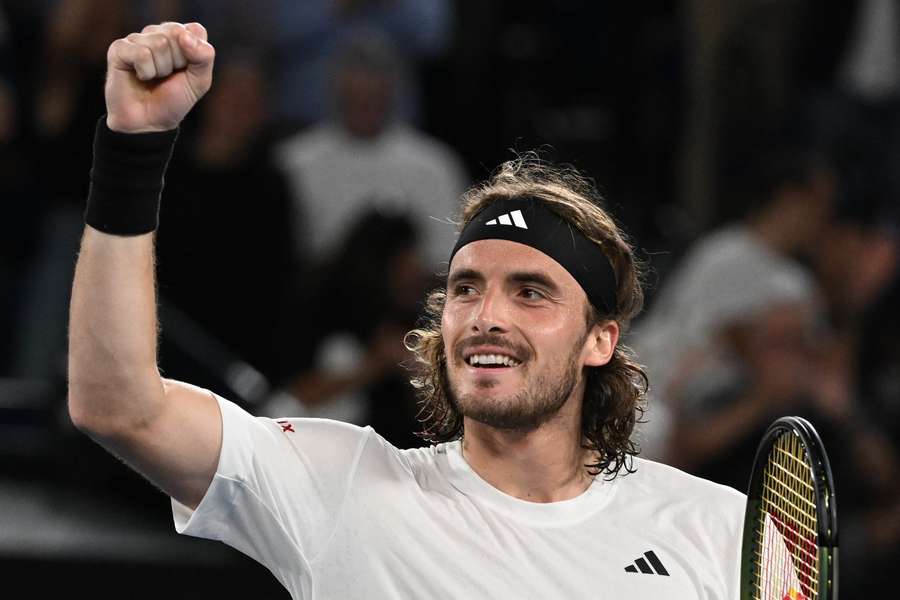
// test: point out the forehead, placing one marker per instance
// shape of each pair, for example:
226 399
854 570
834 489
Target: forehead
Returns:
501 258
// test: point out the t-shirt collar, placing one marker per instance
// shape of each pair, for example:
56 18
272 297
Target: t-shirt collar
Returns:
462 477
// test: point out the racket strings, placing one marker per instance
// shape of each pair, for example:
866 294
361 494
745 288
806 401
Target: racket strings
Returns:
786 549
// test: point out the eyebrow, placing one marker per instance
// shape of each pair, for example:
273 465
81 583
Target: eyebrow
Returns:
520 277
534 277
464 275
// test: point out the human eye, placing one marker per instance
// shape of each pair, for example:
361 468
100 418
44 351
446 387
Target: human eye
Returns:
463 289
529 293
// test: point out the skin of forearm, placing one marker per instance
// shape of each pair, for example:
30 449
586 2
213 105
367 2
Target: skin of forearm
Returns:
114 382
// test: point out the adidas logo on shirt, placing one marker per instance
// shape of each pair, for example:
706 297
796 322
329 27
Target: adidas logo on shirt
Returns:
642 565
511 218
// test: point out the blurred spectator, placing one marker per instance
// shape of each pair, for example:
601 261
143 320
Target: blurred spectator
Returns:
740 276
363 302
226 225
366 156
870 63
68 100
754 65
301 40
70 97
742 333
878 359
857 263
230 24
309 34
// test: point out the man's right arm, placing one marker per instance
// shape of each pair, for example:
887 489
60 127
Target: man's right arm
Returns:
168 431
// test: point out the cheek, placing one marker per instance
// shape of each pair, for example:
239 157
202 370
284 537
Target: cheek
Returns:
555 327
455 318
448 321
449 325
557 337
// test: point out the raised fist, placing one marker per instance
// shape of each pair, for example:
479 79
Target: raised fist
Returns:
154 77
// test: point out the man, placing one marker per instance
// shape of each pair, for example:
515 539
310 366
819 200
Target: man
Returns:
739 289
541 498
366 155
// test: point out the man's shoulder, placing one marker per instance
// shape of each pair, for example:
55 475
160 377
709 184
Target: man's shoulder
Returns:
315 438
412 460
371 448
674 485
339 431
662 502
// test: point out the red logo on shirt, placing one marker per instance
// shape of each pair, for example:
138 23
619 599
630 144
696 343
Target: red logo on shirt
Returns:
286 426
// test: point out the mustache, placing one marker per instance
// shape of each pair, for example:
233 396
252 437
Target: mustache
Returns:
520 352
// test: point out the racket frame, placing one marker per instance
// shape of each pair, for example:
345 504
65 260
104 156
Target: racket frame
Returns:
826 505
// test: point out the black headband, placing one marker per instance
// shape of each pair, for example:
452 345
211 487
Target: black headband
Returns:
527 221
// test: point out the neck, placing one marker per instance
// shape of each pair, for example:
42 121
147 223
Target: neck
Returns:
543 465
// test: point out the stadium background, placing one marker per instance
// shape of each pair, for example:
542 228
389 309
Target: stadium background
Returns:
296 239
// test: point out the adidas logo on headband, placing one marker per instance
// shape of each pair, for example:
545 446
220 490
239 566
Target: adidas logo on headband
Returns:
517 219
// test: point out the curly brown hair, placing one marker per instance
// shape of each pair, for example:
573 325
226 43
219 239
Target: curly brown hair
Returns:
615 392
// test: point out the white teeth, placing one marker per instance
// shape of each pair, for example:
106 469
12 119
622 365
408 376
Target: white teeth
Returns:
492 359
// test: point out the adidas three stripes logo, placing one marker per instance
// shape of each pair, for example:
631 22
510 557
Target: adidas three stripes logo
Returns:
511 218
646 565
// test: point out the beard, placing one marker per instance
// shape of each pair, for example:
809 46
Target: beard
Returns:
528 409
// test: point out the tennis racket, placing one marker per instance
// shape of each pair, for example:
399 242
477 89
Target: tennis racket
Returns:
790 547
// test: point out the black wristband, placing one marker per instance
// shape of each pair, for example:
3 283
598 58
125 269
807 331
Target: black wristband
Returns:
127 179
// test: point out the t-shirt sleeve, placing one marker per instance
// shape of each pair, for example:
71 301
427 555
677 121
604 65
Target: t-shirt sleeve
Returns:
278 489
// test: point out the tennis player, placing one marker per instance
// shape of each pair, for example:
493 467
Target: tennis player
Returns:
531 490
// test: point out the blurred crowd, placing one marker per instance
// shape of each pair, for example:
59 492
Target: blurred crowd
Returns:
752 149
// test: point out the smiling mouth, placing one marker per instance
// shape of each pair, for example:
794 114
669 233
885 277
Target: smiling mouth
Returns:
492 361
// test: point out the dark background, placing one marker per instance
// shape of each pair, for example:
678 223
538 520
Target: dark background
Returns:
672 107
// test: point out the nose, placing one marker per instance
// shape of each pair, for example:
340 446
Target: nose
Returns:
491 314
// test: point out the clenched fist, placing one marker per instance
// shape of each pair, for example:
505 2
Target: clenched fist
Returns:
154 77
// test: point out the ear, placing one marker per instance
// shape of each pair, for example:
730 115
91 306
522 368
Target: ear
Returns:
601 343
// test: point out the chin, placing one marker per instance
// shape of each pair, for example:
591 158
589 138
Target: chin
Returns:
488 397
491 387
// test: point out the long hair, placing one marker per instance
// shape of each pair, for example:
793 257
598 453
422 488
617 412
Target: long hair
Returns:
614 393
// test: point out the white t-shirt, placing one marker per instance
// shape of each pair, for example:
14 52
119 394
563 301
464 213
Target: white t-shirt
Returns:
334 511
337 177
